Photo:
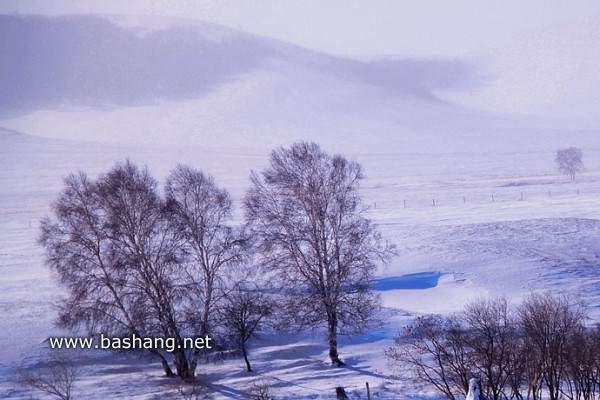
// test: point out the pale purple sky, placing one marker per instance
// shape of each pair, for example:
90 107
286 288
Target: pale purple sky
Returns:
347 27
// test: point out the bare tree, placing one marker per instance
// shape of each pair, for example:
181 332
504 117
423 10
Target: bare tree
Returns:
55 375
262 389
582 364
524 380
493 339
308 221
551 323
242 312
435 350
111 246
569 161
199 212
194 390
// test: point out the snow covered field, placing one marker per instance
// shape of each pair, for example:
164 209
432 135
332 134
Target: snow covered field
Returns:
471 198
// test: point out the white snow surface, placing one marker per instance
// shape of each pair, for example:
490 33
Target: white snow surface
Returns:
471 198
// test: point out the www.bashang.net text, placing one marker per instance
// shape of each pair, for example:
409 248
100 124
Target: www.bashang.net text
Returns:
130 343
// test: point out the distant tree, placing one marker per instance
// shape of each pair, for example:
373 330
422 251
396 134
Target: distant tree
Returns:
569 161
306 216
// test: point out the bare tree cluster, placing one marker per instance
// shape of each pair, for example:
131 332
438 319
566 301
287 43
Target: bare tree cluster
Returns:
138 261
134 262
540 349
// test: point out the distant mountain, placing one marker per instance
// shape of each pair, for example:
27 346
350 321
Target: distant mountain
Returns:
89 60
182 82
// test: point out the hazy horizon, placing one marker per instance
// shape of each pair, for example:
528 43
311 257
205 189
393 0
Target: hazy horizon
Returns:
356 28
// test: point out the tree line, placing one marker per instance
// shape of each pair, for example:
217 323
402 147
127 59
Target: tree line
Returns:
541 348
137 260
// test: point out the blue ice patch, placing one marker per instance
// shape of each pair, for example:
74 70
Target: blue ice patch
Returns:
420 280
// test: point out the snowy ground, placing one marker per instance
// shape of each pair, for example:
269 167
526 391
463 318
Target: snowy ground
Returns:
465 246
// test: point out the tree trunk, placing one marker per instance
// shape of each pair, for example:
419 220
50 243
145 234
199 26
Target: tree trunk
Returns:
245 354
203 325
332 337
340 393
194 361
164 362
181 364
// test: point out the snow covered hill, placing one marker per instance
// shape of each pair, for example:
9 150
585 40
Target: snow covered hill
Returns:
89 60
471 197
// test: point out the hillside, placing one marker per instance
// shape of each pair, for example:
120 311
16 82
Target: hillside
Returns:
89 60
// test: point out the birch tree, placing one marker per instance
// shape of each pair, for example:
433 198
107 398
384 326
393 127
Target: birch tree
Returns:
200 212
127 260
312 236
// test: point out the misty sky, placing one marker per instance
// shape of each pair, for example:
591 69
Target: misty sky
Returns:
373 27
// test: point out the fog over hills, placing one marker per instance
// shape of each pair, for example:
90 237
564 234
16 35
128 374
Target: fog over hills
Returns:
91 60
553 71
169 81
